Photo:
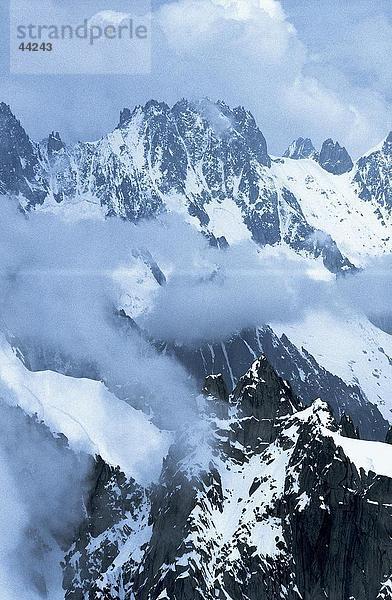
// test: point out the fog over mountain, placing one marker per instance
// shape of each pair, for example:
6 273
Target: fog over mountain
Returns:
195 362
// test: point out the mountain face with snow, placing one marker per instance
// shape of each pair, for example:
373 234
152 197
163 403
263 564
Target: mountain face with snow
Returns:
271 501
20 160
209 163
301 148
280 486
373 176
231 357
332 157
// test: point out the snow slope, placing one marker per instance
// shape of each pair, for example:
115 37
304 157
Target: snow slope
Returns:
331 204
93 419
349 346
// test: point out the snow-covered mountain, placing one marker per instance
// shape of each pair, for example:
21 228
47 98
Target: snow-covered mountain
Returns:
249 498
254 507
332 156
373 174
209 163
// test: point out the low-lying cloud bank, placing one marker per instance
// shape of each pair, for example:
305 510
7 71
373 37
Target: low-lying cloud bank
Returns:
42 484
60 290
61 287
62 283
371 289
241 287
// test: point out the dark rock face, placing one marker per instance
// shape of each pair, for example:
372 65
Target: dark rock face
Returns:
147 258
347 428
335 158
19 160
116 511
334 542
301 148
215 386
262 399
308 379
224 363
180 494
269 502
125 116
388 437
55 143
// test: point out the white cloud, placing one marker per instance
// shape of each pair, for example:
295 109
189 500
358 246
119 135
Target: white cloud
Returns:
363 53
249 52
245 52
257 29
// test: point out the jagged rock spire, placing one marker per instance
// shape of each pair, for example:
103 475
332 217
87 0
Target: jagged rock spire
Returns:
388 438
125 115
19 159
300 148
215 526
55 143
261 390
261 399
347 428
334 158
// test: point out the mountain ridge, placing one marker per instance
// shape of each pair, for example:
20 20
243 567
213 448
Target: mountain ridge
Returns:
204 160
249 498
254 510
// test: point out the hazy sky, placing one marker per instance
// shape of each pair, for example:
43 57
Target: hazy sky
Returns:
303 67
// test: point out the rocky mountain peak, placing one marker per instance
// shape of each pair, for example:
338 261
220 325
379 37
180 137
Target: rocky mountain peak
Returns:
262 384
317 415
154 107
387 146
334 158
5 110
212 158
19 159
372 175
125 116
55 143
272 526
300 148
261 399
7 118
347 428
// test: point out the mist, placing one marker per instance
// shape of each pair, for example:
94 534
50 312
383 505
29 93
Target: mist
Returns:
242 287
42 484
62 287
371 289
63 283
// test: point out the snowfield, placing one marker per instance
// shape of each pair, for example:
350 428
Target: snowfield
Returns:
331 204
92 418
349 346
